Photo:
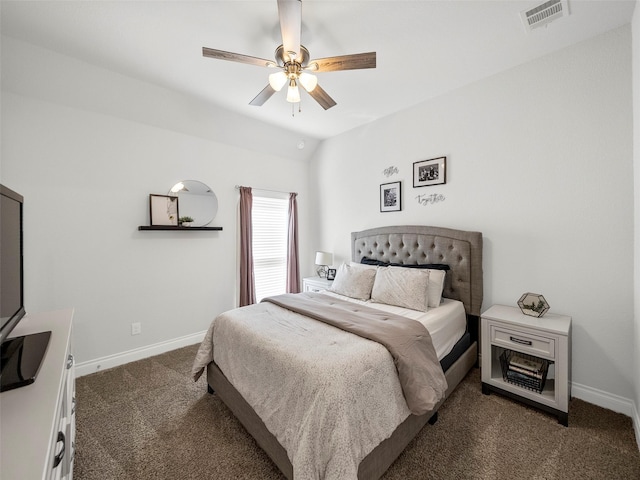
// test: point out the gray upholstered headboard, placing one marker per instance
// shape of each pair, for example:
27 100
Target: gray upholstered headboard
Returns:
413 244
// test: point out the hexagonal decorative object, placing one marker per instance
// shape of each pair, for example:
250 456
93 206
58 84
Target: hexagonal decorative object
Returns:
533 304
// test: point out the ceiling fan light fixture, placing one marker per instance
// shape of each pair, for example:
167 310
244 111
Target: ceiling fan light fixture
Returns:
308 81
277 80
292 58
293 94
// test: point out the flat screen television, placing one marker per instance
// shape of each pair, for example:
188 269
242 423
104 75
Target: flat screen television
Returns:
22 356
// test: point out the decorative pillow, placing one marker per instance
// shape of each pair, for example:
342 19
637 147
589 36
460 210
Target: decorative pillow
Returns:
402 287
380 263
371 261
437 276
363 265
354 281
436 285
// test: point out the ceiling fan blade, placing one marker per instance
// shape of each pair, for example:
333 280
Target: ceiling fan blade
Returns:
236 57
263 96
290 13
322 97
344 62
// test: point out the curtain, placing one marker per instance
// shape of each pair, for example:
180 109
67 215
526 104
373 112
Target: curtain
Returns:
247 283
293 266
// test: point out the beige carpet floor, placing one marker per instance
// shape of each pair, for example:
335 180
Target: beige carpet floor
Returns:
148 420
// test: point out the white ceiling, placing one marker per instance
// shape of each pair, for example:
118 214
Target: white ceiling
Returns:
424 48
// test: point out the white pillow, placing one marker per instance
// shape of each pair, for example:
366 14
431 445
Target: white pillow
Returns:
354 281
404 287
436 285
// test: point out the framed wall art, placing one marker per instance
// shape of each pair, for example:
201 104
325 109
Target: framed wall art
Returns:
163 210
390 197
430 172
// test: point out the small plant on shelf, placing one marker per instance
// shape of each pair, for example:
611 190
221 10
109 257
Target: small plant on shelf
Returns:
186 221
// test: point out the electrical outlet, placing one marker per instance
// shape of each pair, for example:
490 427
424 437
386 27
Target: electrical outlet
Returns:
136 328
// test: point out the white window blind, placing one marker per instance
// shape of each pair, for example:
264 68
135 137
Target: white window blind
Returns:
270 225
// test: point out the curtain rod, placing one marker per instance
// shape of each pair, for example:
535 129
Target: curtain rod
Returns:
265 190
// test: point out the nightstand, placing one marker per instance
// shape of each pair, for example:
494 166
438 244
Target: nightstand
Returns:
508 338
315 284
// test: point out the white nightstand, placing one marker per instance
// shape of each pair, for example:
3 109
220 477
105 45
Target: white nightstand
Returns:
315 284
507 331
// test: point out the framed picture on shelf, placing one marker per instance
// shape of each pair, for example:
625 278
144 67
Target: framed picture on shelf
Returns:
163 210
430 172
390 197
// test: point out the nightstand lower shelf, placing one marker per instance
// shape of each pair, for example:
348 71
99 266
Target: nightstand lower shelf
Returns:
563 417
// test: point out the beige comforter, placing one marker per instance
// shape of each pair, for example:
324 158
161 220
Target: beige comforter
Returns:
328 396
408 341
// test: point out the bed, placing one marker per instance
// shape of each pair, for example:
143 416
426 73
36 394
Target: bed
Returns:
329 434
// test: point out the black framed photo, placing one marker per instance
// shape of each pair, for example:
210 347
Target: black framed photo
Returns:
163 210
430 172
390 197
331 274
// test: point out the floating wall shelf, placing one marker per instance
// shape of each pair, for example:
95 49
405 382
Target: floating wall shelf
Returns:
169 227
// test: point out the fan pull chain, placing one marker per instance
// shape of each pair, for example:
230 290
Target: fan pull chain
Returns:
293 111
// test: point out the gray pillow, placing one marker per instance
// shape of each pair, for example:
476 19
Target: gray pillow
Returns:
403 287
355 281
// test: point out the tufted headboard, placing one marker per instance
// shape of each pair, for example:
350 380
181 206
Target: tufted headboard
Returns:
414 244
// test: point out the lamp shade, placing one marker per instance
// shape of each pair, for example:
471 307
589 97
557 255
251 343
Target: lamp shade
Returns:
324 258
308 81
293 94
277 80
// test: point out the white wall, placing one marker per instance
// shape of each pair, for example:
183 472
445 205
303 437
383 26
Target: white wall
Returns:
539 160
636 176
86 174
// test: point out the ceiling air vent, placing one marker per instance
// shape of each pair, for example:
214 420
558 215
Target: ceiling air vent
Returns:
544 13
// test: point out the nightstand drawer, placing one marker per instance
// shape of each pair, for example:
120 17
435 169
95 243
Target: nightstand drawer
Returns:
523 342
315 284
313 288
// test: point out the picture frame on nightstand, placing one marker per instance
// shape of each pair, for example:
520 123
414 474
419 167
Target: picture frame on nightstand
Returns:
331 274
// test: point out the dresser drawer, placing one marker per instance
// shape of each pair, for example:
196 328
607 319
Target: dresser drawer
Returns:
523 342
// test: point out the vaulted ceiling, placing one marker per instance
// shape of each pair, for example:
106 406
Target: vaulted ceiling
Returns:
424 48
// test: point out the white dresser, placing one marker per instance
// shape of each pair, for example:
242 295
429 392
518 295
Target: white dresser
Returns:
38 421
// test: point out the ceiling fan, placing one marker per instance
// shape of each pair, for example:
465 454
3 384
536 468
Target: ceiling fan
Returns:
293 61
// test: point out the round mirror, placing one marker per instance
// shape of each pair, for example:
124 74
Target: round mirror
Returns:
195 200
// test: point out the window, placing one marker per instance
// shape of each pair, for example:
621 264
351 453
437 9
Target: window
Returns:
270 217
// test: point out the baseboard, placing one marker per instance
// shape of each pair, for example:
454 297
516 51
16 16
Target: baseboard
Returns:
611 402
603 399
92 366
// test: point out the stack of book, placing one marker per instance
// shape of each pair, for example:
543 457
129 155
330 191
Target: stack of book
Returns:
525 371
